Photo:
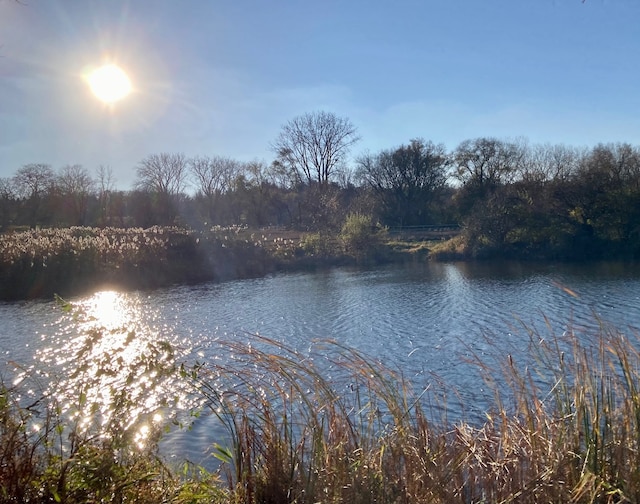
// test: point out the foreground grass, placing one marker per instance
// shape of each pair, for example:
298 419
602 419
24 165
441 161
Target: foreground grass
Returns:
336 426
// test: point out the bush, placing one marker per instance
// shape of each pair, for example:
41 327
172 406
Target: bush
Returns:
359 237
317 244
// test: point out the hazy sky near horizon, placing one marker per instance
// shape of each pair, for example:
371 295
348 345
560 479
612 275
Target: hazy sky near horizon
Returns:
222 77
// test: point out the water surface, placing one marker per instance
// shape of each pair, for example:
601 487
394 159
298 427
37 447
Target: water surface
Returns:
425 320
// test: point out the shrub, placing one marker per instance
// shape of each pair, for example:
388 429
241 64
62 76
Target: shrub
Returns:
317 245
359 237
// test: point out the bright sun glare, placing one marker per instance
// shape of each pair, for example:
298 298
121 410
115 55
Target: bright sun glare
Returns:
109 83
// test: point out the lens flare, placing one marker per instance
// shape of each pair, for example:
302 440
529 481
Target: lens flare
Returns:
109 83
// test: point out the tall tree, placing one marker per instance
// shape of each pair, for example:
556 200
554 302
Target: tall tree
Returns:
34 180
313 147
406 180
75 185
163 173
487 162
164 176
213 176
7 202
105 181
550 163
34 184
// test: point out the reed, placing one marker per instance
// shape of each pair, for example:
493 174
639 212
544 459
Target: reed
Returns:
333 425
564 426
43 262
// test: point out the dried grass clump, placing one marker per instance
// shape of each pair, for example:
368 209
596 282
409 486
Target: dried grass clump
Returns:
338 427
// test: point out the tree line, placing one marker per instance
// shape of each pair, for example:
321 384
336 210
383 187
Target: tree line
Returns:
507 195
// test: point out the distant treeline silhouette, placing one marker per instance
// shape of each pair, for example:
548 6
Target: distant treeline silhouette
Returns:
508 196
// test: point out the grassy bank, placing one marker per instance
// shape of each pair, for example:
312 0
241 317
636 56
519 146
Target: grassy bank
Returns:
39 263
336 426
66 261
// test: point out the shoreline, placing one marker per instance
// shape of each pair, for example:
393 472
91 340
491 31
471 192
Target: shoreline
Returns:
40 264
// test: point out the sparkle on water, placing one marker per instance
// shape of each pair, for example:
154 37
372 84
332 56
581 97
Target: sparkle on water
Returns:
114 367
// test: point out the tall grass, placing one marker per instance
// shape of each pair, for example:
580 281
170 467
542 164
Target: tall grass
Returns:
333 425
44 262
565 427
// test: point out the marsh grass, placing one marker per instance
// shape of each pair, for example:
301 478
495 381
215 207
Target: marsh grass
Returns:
455 248
38 263
43 262
340 427
333 425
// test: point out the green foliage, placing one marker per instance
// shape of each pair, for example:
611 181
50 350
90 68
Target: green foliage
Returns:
317 245
406 181
359 237
564 205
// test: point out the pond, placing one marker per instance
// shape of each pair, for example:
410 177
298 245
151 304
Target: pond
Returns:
427 321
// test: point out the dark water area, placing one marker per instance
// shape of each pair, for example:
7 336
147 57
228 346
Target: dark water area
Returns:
427 321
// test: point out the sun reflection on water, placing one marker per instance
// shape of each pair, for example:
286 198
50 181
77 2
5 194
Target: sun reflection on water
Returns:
117 371
109 309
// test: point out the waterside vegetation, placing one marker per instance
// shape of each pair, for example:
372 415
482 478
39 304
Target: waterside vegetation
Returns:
332 425
510 198
41 263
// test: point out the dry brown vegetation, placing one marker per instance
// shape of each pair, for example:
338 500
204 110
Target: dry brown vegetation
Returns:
333 425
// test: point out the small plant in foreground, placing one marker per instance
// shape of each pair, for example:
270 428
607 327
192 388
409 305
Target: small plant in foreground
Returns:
88 435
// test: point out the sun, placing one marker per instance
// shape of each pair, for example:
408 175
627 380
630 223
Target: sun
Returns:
109 83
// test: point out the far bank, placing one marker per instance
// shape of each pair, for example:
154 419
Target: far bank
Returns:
76 260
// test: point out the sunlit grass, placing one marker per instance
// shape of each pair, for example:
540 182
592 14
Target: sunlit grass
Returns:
453 248
43 262
566 430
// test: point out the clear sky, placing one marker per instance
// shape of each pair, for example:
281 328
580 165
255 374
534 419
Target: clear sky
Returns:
221 77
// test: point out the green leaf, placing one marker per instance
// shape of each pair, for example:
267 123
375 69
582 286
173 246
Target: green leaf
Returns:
223 454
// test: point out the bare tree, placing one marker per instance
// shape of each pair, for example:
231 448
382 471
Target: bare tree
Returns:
7 188
545 163
616 164
35 183
105 181
34 180
213 176
7 202
76 185
313 147
164 174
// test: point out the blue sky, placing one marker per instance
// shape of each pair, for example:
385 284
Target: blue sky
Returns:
222 77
